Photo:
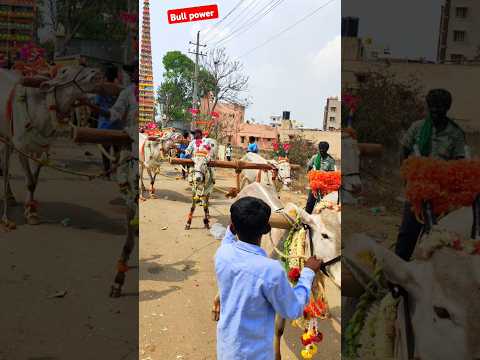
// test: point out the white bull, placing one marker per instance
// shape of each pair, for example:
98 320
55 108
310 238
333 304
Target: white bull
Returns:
282 178
325 228
30 126
443 291
151 156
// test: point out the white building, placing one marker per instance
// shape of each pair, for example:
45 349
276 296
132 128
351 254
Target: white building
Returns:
459 38
332 114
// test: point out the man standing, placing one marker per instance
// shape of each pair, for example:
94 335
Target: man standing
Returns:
436 136
229 152
321 161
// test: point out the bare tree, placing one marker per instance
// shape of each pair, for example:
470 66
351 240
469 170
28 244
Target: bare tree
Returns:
226 80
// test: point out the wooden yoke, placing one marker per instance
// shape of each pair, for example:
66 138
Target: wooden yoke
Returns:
100 136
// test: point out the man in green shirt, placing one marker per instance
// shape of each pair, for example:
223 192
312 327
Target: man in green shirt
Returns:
436 136
320 161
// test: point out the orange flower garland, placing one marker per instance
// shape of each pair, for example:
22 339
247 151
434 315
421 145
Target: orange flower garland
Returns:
324 182
448 185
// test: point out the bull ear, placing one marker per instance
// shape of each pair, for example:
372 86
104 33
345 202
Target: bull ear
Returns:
396 270
306 217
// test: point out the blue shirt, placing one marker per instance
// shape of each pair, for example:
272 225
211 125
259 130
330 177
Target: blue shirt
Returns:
252 148
105 103
253 288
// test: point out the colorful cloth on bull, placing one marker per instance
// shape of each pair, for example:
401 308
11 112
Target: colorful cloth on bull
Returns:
447 144
199 145
317 162
253 288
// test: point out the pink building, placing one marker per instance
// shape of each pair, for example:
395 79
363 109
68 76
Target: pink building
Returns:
232 127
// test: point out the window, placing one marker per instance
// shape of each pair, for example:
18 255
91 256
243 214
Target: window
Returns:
333 109
242 139
459 35
461 12
332 119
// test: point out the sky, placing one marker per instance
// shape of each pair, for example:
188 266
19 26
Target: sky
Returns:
409 27
295 72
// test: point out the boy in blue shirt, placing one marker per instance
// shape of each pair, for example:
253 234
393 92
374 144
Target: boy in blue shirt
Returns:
253 288
252 145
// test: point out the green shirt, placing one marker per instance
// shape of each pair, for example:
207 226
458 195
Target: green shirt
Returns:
447 144
327 164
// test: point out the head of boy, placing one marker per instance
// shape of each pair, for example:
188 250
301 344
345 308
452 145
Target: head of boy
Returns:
251 139
250 219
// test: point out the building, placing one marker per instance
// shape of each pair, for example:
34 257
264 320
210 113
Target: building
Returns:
17 27
146 90
332 119
459 38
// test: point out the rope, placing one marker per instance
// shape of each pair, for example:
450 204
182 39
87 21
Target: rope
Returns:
46 163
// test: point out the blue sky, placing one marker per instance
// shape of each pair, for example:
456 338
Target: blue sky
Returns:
295 72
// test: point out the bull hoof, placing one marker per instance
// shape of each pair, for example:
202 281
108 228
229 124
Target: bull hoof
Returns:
7 225
33 219
115 291
187 227
207 226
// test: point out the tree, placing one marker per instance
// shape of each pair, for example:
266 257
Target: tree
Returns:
226 81
174 93
90 19
386 108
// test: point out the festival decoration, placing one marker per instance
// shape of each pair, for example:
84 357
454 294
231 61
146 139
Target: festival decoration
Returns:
447 185
324 182
294 247
280 150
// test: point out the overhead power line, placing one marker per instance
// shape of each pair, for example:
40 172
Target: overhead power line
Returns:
249 25
287 29
250 22
225 17
240 17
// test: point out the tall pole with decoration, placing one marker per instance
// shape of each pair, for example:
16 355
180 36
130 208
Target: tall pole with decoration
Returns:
147 98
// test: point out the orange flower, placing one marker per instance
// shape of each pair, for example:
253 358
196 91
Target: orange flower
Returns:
324 182
448 185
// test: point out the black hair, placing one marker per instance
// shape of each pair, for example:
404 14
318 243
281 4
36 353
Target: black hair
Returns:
111 73
185 134
251 139
323 144
439 97
250 217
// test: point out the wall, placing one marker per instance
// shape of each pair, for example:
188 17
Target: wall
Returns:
315 136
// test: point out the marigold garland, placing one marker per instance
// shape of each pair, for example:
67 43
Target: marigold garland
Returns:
448 185
324 182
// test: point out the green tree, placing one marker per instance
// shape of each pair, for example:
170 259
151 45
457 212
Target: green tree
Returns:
176 90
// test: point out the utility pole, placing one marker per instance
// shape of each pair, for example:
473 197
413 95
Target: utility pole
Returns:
197 54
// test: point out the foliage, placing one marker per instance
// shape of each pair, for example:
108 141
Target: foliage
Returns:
387 107
300 150
91 19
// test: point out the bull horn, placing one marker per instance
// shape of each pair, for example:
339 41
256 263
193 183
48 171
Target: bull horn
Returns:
278 221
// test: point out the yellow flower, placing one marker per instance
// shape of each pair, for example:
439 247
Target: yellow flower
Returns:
313 348
306 354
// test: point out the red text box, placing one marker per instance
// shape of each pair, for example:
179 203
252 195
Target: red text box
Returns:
197 13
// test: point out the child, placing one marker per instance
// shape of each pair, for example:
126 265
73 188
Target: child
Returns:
253 288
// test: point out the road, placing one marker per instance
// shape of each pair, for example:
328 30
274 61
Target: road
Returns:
39 262
177 278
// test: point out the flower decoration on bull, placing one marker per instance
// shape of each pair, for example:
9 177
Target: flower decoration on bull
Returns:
317 309
446 185
324 182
